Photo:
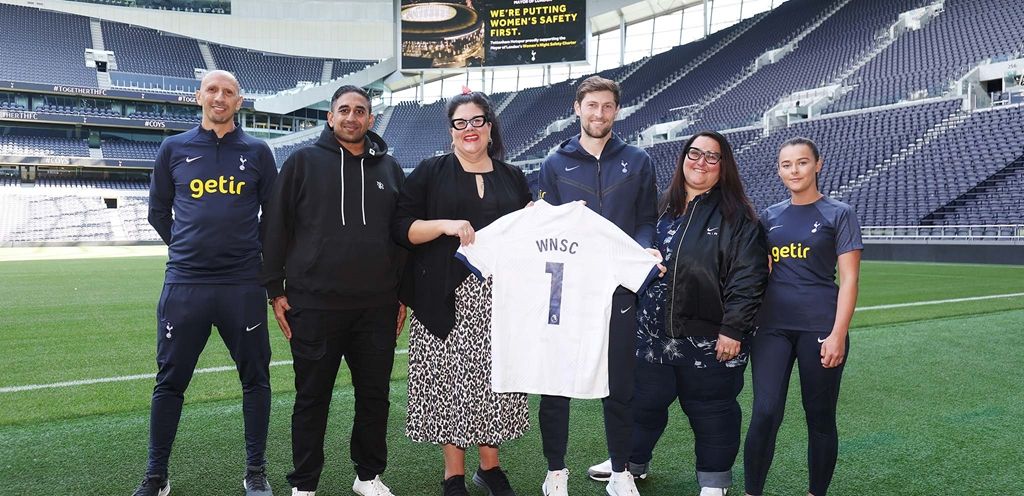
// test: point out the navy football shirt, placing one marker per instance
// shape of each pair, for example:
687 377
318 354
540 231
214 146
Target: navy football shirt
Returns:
804 243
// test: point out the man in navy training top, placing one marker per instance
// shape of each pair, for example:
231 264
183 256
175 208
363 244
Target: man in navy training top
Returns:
617 181
215 179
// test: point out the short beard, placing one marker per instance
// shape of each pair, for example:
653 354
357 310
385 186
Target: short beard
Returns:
586 131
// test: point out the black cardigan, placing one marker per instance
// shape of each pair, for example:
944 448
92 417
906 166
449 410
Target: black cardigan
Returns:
433 273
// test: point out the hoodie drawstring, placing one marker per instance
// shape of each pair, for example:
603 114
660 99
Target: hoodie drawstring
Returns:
362 186
342 170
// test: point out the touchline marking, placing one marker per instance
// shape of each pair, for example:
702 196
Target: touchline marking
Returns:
209 370
939 302
136 377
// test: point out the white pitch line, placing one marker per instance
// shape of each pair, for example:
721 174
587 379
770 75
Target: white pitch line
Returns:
939 302
124 378
136 377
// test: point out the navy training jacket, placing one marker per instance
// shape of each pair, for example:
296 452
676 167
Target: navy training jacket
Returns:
619 185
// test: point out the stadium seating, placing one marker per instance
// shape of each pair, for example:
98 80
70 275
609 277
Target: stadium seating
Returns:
42 146
44 47
943 169
817 61
260 72
997 200
121 148
145 51
964 34
418 132
900 159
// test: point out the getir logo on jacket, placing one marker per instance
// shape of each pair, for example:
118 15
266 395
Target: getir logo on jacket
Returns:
220 185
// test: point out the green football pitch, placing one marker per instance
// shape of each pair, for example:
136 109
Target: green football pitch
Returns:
932 400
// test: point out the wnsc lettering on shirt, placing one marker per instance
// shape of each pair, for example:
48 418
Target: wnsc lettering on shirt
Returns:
221 185
557 244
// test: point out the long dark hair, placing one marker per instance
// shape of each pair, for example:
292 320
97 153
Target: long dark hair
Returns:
496 148
734 199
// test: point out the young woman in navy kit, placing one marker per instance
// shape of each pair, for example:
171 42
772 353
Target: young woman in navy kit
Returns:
804 318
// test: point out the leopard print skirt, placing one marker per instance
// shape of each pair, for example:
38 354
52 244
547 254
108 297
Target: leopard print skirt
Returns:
450 395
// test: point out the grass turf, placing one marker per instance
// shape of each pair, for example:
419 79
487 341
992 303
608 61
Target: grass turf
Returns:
928 406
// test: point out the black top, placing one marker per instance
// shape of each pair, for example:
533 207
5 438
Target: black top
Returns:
478 211
439 188
328 227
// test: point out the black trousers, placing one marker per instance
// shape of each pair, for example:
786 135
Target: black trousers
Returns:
365 338
708 397
185 315
773 353
618 417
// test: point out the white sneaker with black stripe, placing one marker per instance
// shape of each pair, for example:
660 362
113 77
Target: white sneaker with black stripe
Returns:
603 471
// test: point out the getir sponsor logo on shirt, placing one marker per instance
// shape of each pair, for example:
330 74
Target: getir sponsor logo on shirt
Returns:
794 250
221 185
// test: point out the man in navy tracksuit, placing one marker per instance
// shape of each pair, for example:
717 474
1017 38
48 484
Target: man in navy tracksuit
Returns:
215 179
617 181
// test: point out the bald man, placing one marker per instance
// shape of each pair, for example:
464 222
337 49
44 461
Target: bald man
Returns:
214 178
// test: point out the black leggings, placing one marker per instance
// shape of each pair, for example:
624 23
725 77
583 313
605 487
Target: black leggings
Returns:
773 353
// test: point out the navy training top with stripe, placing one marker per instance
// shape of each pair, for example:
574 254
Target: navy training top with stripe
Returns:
804 243
215 188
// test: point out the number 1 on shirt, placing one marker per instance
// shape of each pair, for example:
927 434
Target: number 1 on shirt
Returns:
555 302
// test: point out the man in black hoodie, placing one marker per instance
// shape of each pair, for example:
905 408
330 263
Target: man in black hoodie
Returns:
332 274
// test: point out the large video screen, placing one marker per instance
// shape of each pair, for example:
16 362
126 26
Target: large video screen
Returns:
445 34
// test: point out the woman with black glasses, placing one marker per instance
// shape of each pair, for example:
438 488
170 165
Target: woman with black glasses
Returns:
444 201
695 322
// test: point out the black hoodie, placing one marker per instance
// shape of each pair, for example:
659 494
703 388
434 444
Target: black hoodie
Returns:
327 243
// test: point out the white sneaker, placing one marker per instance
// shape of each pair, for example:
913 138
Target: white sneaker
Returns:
603 471
556 483
713 491
373 487
621 484
296 492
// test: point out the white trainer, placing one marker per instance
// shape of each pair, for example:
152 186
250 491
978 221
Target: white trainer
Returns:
603 471
373 487
556 483
713 491
621 484
296 492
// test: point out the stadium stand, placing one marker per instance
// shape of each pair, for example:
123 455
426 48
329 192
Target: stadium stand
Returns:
145 51
42 146
49 47
122 148
417 132
964 34
896 145
817 61
44 47
996 200
266 73
844 146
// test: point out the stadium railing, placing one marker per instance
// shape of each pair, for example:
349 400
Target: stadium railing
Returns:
1002 233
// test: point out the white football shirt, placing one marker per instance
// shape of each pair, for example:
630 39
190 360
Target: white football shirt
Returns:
555 269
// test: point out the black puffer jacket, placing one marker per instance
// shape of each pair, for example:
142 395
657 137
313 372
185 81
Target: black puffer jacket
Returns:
719 273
